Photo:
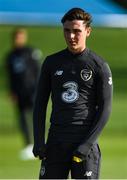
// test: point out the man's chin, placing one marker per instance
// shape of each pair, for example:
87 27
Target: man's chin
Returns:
74 49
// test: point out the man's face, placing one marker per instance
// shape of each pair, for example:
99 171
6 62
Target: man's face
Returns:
75 33
20 39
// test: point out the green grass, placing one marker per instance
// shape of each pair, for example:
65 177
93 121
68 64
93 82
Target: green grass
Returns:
113 158
11 166
111 45
112 141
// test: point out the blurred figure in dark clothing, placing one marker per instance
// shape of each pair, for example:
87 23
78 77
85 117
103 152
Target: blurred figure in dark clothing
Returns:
23 68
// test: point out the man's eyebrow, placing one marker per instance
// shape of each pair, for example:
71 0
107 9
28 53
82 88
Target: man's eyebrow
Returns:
73 30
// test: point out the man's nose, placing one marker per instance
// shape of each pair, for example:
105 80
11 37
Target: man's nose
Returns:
72 35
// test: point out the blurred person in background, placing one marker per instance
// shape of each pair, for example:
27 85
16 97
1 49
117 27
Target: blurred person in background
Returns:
23 69
80 83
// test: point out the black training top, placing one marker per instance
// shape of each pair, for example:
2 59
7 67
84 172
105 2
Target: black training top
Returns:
81 94
23 69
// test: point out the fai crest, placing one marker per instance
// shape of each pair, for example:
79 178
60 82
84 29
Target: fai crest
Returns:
86 74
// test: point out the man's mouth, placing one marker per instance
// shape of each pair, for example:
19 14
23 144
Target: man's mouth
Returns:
73 43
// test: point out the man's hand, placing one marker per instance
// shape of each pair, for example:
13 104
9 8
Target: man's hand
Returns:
81 152
40 152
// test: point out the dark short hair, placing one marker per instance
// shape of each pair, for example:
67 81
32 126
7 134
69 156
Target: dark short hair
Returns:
77 14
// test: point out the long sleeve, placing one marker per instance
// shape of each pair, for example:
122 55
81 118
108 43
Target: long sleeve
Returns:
41 101
36 56
10 75
104 102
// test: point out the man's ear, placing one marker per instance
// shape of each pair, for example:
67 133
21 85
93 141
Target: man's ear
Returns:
89 29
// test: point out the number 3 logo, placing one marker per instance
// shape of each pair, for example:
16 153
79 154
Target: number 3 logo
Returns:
71 94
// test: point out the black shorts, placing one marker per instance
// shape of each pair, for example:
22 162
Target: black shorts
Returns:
59 162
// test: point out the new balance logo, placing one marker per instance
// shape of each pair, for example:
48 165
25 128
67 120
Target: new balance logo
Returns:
110 81
88 173
58 72
42 172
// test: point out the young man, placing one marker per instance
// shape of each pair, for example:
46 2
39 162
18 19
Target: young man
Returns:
23 69
80 84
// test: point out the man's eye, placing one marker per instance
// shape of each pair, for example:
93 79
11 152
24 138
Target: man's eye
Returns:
77 30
